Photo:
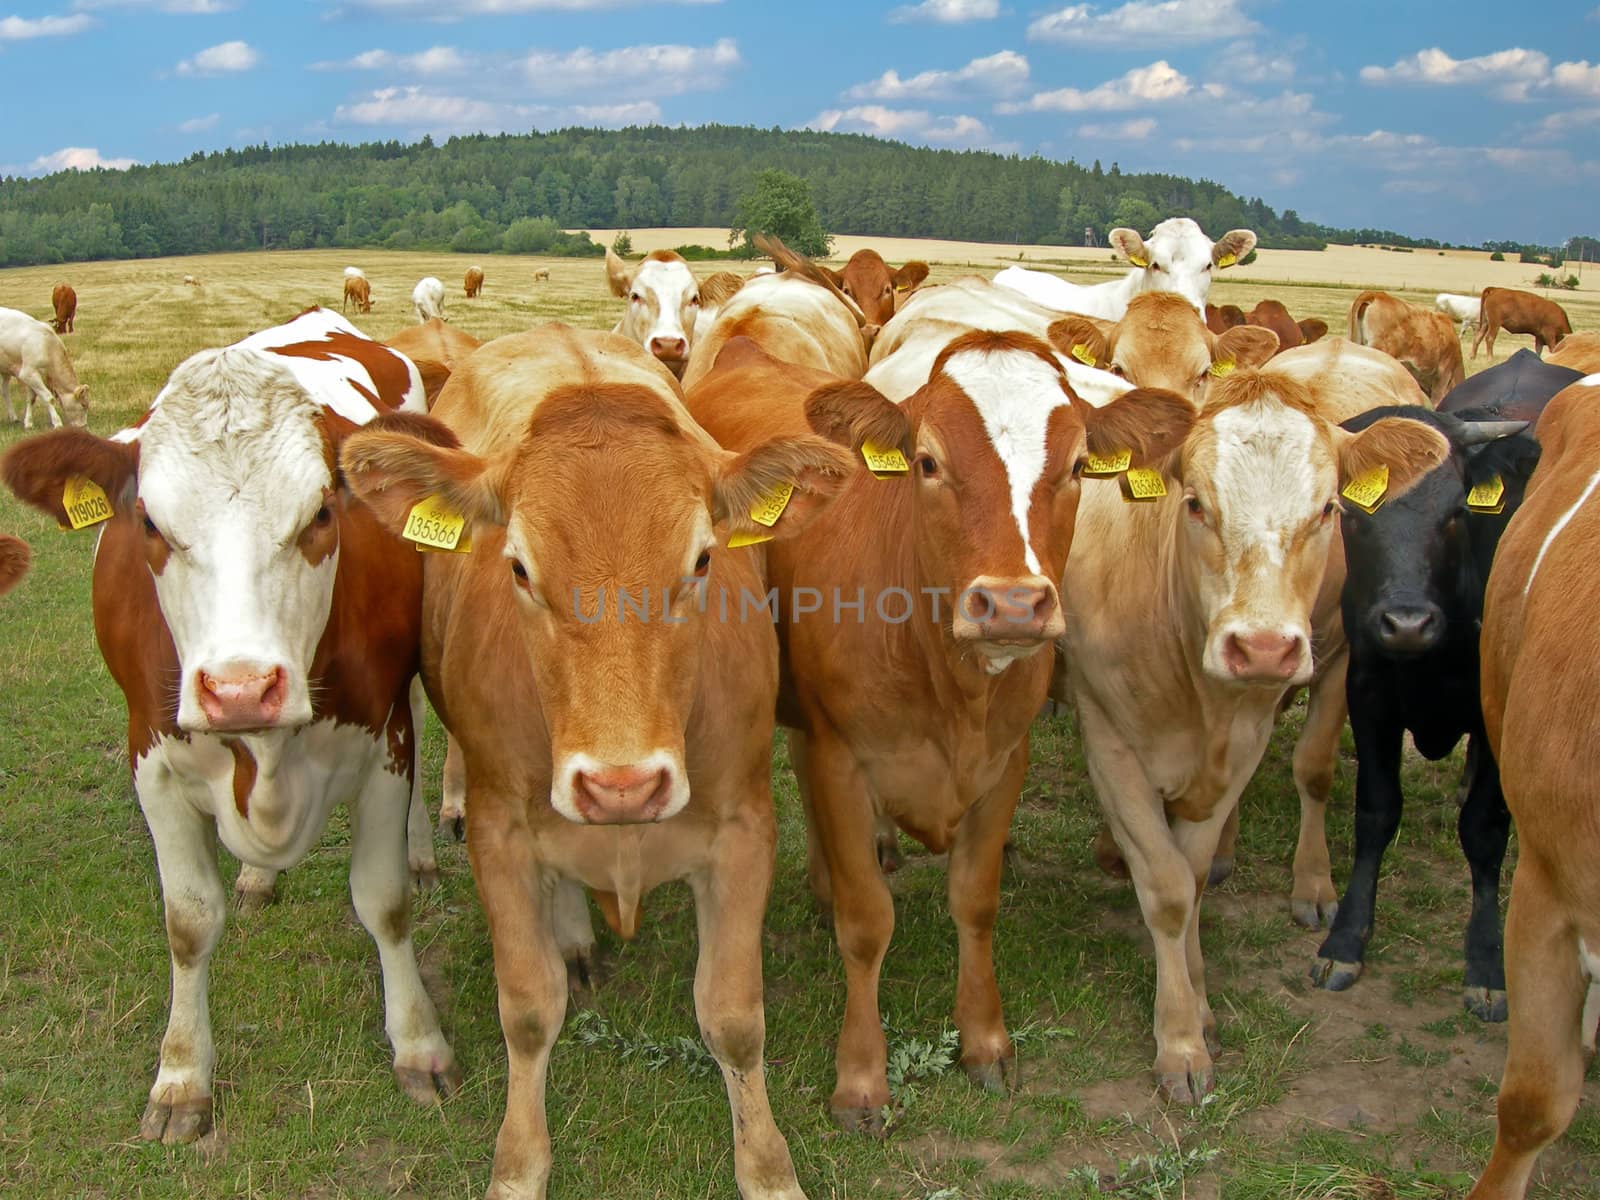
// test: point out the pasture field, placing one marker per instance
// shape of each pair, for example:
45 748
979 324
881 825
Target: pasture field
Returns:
1385 1092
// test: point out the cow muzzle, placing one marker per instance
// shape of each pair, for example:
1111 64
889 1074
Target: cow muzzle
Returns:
1406 630
240 696
590 792
1264 656
1021 612
669 349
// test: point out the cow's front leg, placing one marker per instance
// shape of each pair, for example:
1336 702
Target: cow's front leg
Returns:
730 900
1484 827
419 833
424 1064
191 890
453 803
1316 760
1198 842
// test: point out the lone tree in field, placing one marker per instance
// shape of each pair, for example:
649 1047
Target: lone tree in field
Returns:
779 203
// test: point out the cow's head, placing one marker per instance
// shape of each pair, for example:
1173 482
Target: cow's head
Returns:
14 559
877 288
232 483
75 405
996 442
1259 489
613 518
1161 342
1416 568
1179 257
663 301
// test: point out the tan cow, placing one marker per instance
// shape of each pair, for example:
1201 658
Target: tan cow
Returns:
877 289
541 274
473 282
1541 709
65 303
437 348
193 281
794 319
598 615
31 353
942 577
1519 312
14 559
1579 351
357 290
1423 340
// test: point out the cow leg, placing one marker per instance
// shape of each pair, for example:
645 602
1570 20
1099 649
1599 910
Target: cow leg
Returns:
1483 828
424 1065
574 936
1378 804
254 889
453 807
730 899
532 985
5 390
1227 848
1316 760
1543 1077
1198 840
1483 328
976 857
191 889
419 833
863 923
34 382
816 858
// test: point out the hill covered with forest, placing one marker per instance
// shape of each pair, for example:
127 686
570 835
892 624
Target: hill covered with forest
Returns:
516 193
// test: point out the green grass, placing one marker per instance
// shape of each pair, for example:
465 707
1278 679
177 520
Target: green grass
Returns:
1385 1091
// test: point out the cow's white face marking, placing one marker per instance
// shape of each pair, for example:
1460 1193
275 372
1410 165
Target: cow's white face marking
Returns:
662 303
1179 261
1015 393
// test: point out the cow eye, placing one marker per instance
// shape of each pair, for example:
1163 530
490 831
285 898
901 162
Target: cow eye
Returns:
1196 509
1116 369
150 528
636 298
1077 468
926 466
702 564
324 515
1208 266
521 572
695 300
1327 509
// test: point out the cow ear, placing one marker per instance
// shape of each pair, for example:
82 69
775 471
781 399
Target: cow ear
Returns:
14 559
910 277
1150 423
1231 247
1409 449
1080 338
1312 329
778 488
838 279
1130 245
618 276
855 413
38 469
393 466
1244 346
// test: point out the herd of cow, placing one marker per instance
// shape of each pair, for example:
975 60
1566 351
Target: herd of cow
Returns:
895 519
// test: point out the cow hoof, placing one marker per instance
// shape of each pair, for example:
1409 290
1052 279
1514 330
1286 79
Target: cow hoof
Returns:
889 860
1213 1042
177 1123
1334 976
247 903
1487 1004
453 825
1221 868
427 1086
1314 914
869 1121
997 1078
581 978
1188 1087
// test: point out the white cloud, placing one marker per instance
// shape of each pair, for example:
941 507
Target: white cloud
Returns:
454 10
640 112
1562 124
1576 78
1136 130
1243 63
1511 71
199 124
637 70
901 123
437 60
1144 24
225 59
417 109
1004 72
76 158
1138 88
946 12
167 6
22 29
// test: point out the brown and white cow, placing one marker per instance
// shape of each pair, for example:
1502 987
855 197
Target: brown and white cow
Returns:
357 291
1425 342
1519 312
14 559
64 300
1541 708
473 282
1187 617
793 318
942 577
600 615
877 288
1580 351
31 352
263 628
663 305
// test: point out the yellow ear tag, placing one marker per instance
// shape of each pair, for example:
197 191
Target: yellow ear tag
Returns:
1222 367
432 524
1107 466
1367 490
1227 260
1083 354
765 511
884 460
1488 497
464 546
85 502
1141 483
1139 262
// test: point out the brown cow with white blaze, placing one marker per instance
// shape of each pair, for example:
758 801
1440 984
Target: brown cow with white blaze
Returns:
64 301
1425 342
588 489
1519 312
263 628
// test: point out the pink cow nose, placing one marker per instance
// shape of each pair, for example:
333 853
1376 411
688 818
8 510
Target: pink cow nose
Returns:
1262 656
671 349
242 699
622 795
1019 612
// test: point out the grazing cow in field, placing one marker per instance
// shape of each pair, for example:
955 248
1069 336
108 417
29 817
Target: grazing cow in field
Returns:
541 274
1176 257
473 282
1520 312
65 303
943 577
1312 329
32 353
354 273
436 348
1177 694
359 290
1541 710
1580 351
1425 342
877 289
427 299
588 488
192 281
14 559
1459 308
1415 571
663 305
263 628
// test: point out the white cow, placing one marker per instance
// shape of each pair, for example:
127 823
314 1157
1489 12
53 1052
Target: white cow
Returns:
354 273
1176 257
663 305
1458 308
427 299
31 352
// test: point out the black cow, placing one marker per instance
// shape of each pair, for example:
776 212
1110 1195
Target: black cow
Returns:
1516 390
1412 606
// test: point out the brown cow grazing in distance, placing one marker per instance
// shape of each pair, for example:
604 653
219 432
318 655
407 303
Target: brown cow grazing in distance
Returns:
1520 312
1541 709
14 559
589 491
1580 351
474 282
359 290
1422 340
541 274
65 302
877 288
437 348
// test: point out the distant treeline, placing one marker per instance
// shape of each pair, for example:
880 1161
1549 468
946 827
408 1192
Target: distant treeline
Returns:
515 193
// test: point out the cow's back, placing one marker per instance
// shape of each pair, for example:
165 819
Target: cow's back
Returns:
1348 378
793 320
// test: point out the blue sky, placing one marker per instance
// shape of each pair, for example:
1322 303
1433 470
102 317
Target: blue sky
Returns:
1463 121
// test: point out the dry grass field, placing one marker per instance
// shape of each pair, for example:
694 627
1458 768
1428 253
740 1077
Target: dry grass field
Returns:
1385 1092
